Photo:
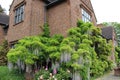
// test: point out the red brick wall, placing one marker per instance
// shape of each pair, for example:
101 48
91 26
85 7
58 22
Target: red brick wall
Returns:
75 11
59 18
37 17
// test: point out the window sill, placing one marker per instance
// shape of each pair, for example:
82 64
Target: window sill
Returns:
18 23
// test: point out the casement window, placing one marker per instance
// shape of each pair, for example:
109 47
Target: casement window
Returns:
12 46
19 14
86 16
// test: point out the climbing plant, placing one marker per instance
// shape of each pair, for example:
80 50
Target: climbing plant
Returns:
46 31
117 56
82 54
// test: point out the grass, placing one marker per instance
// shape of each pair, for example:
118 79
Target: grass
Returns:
5 74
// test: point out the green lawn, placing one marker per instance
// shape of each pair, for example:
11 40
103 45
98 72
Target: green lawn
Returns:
5 74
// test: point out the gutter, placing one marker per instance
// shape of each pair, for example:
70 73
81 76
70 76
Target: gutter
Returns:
55 2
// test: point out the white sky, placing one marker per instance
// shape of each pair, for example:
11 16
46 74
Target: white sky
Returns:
6 4
105 10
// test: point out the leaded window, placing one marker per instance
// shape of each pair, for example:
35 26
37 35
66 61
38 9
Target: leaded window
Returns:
19 14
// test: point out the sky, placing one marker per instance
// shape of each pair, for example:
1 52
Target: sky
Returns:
6 5
105 10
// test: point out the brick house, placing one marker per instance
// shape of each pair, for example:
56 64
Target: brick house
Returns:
26 16
4 21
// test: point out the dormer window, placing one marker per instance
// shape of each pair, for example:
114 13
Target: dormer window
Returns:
86 16
19 14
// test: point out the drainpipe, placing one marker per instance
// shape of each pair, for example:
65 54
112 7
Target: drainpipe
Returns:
45 13
30 32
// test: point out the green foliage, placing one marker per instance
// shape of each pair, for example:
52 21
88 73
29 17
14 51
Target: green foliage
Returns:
74 31
62 74
28 51
87 41
76 66
44 73
83 49
97 68
117 55
75 56
46 31
65 48
95 31
79 23
55 56
58 37
3 52
84 72
5 74
117 49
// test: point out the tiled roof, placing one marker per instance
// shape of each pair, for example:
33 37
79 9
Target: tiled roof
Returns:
107 32
4 19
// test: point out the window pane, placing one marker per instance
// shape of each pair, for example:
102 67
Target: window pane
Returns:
16 19
22 16
85 16
19 18
82 11
22 9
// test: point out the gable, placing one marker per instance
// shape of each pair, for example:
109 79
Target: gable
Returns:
16 2
88 4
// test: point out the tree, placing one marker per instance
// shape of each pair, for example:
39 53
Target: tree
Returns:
2 10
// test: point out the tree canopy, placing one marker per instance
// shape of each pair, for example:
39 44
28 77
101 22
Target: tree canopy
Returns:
2 10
